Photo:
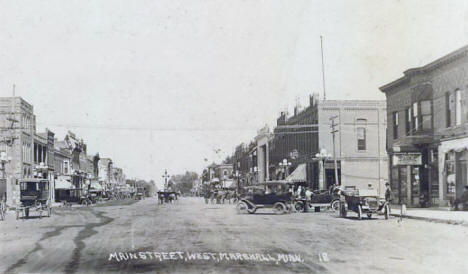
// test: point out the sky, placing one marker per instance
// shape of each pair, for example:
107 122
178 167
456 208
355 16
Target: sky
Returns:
160 85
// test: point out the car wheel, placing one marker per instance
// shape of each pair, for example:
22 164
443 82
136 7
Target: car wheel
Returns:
369 215
335 205
279 208
359 214
241 208
299 206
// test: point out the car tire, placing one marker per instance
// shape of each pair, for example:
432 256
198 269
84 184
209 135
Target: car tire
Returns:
279 208
242 208
335 205
299 206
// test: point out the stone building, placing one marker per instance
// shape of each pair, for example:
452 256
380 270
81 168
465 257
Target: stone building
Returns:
427 136
105 173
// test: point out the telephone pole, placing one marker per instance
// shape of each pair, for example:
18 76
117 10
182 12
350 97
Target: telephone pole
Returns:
333 131
165 176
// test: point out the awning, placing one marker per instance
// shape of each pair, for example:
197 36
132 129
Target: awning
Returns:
298 175
63 184
215 180
456 145
96 186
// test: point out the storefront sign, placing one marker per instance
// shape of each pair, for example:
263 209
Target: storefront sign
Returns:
404 159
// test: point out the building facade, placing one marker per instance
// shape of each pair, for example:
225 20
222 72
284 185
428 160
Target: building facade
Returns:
359 146
427 136
18 127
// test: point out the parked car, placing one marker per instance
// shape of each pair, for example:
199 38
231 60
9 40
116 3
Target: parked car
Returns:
140 193
319 199
34 196
363 202
270 195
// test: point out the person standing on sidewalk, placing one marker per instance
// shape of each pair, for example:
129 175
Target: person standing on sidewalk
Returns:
388 193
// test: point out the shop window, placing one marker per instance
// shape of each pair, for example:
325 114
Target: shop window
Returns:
361 138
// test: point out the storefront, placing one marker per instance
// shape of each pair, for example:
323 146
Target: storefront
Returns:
453 156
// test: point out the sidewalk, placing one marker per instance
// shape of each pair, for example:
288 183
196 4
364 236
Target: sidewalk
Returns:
439 215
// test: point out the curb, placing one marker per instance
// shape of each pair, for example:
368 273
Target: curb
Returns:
434 220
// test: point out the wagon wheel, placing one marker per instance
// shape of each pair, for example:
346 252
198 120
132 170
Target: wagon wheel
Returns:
335 205
359 213
279 208
387 212
369 215
299 206
241 208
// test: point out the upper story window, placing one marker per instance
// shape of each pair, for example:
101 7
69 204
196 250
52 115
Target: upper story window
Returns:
421 115
408 121
361 138
426 114
458 107
395 125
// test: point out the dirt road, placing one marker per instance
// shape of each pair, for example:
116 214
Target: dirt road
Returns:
191 237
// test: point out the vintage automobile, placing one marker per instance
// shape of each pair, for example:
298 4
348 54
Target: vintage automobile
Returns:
167 196
140 193
319 199
35 196
362 201
273 195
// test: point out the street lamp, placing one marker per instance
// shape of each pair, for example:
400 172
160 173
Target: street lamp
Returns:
285 165
323 156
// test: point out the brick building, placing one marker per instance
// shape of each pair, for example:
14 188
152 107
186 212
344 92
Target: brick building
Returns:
17 130
359 147
427 135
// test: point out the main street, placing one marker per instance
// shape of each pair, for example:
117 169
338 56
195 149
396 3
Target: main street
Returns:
102 238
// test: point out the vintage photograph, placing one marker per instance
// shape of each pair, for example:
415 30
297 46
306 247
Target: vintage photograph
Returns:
233 136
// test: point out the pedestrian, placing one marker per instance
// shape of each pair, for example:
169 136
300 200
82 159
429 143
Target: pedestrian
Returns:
388 193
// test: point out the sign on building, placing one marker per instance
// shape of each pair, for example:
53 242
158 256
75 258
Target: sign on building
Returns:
407 159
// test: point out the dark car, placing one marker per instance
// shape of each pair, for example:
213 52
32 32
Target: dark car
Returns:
318 199
268 195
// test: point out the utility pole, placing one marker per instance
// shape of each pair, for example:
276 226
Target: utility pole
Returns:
165 176
333 131
323 69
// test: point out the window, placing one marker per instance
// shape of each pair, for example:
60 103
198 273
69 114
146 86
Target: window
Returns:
458 107
408 121
426 114
415 116
395 125
448 107
361 138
